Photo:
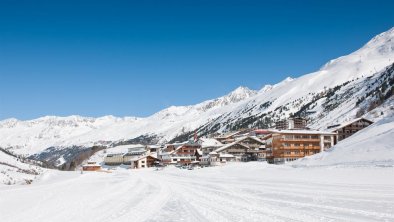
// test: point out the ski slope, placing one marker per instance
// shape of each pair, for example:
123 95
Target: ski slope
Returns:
236 192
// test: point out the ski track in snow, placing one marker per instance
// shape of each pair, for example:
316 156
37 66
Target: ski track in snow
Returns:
238 192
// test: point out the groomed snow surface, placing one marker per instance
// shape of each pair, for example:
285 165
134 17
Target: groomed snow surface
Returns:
237 192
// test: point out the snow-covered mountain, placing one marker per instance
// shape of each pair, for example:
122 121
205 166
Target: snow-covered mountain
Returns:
337 92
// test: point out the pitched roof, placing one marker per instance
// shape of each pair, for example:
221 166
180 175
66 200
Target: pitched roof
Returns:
227 135
338 126
251 137
199 152
229 145
210 142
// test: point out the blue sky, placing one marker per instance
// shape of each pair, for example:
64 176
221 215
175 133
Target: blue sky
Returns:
128 58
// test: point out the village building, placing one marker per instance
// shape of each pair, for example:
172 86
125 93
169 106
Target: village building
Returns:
112 159
136 156
154 148
216 159
244 149
91 166
288 145
291 123
347 129
184 154
233 136
208 145
227 137
259 133
143 161
133 153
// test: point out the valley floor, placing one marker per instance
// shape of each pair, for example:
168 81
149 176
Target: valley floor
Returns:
236 192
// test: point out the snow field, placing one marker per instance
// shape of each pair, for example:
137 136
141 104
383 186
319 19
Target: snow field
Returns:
236 192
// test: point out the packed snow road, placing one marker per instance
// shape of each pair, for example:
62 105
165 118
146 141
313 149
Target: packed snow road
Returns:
237 192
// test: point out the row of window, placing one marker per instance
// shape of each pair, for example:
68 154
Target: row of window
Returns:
307 152
188 150
175 159
300 144
290 137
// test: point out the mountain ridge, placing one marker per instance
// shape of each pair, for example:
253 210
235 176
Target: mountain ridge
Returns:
241 107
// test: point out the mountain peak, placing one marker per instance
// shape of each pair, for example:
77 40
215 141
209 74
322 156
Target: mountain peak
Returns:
374 55
242 90
383 43
240 93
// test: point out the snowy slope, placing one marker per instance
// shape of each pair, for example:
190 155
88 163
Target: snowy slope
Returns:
240 108
13 171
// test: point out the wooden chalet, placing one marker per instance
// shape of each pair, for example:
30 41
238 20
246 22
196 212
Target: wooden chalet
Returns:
244 149
185 153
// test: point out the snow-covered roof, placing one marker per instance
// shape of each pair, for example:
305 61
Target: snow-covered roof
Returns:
91 164
114 154
124 148
154 155
230 145
227 135
210 142
130 146
251 137
338 126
